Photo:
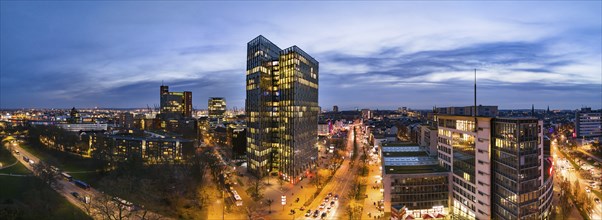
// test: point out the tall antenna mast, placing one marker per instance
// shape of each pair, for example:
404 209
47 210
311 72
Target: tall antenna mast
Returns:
475 93
475 102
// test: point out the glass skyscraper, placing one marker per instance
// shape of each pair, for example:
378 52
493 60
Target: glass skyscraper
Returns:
217 108
175 105
282 109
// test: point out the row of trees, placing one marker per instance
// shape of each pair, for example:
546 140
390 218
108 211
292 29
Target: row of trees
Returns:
578 195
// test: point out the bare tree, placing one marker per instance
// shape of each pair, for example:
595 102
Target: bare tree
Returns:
256 190
111 209
46 174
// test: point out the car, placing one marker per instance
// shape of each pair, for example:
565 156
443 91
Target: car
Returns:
336 197
597 200
308 213
323 214
302 208
322 206
316 213
326 199
75 194
330 194
587 190
332 203
329 207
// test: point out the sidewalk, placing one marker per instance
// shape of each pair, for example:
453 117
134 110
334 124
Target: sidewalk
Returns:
373 189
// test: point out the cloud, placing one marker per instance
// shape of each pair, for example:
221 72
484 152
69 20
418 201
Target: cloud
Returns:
381 54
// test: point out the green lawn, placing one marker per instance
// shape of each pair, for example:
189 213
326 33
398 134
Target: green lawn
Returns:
6 158
30 198
68 162
16 169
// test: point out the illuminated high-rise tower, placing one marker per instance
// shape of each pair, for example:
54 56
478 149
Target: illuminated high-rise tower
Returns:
175 105
282 109
217 108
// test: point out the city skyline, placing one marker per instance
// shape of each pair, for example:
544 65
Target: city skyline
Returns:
115 55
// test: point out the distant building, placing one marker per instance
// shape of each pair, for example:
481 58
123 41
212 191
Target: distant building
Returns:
282 109
74 116
428 138
335 108
217 109
486 111
175 105
323 128
415 185
588 123
126 120
366 114
83 127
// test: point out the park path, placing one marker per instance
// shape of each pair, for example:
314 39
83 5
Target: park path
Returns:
10 165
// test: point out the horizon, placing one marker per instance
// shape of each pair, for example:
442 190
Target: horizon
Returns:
100 54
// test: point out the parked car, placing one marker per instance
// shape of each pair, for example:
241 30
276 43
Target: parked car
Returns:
316 213
75 194
308 213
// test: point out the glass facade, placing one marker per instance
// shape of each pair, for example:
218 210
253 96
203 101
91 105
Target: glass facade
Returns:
282 106
217 108
517 169
175 104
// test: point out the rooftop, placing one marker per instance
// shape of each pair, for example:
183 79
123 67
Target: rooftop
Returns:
407 158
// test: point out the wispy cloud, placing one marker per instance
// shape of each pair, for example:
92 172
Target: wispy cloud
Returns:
377 54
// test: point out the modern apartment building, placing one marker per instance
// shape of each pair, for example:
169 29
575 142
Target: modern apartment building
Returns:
175 105
282 109
588 123
217 109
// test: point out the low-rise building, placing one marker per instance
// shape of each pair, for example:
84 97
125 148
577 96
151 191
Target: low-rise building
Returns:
415 185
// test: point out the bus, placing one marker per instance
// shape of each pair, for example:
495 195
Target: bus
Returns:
81 184
67 176
236 198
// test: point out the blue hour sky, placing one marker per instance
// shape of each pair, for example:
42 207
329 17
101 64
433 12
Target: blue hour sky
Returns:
372 54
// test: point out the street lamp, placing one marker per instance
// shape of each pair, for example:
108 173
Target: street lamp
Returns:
224 204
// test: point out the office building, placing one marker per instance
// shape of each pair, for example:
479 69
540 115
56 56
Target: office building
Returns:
217 109
487 111
588 123
415 185
497 167
175 105
465 151
520 189
282 109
